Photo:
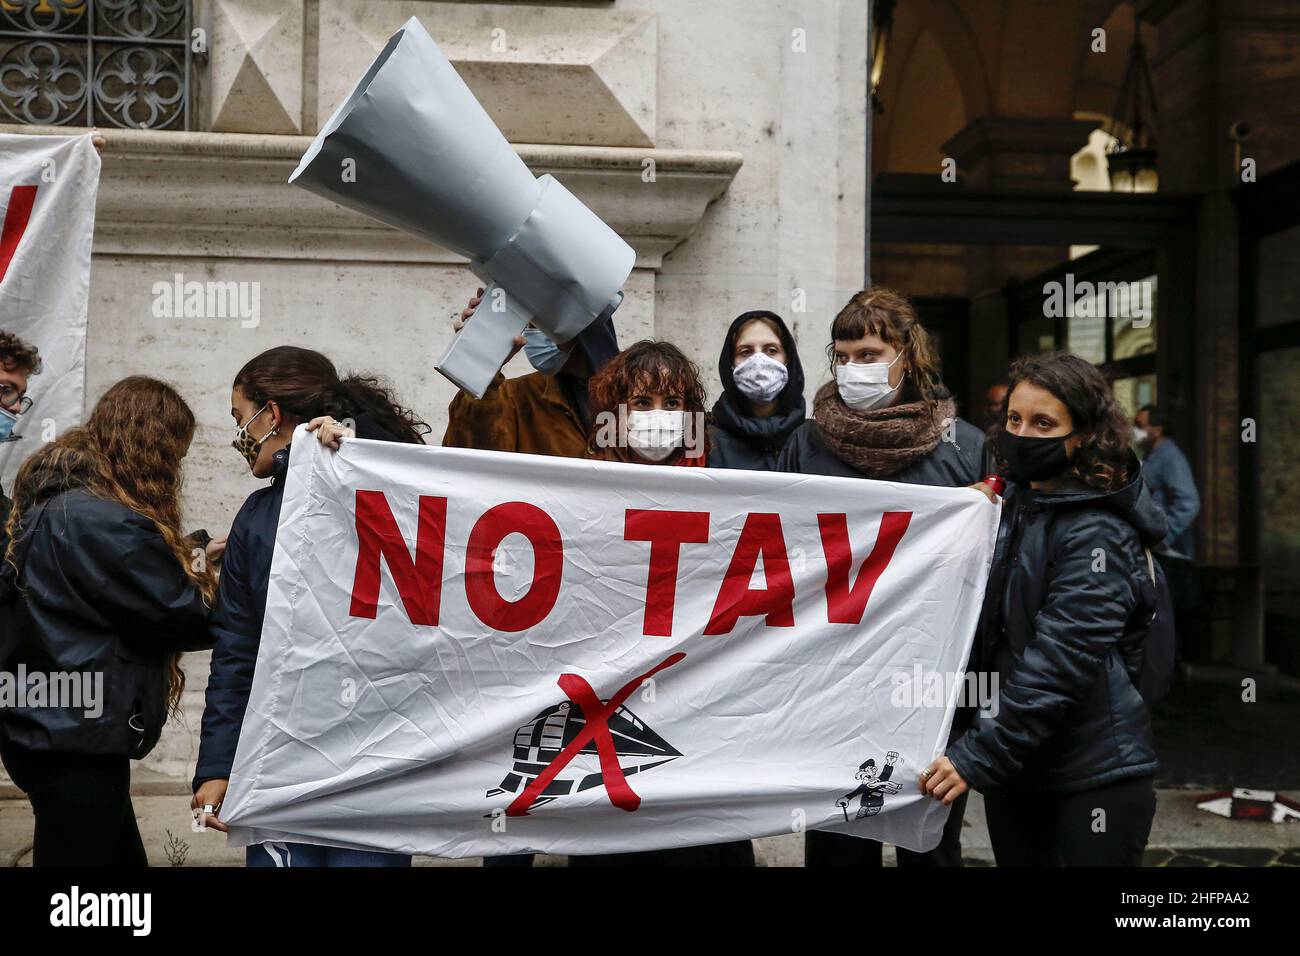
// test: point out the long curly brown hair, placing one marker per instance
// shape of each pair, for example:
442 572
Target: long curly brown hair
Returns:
129 451
1103 460
646 366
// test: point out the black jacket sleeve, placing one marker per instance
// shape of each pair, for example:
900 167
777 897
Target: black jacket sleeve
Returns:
138 586
1081 620
237 630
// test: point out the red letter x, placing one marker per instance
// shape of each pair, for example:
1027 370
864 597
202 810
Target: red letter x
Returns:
596 715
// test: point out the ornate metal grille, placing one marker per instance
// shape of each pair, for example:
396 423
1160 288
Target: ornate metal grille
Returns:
121 63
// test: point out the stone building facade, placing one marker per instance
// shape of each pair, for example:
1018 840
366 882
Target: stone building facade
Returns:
725 141
753 116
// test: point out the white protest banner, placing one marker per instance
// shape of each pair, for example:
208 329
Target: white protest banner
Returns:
473 653
48 186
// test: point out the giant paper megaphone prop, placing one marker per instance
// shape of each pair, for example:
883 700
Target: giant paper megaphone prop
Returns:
411 147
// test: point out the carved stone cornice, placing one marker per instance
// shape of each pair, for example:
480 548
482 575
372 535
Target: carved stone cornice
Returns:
226 195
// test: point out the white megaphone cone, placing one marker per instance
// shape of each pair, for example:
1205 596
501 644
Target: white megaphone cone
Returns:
412 147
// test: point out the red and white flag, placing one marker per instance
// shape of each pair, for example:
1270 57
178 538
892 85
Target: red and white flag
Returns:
48 186
473 653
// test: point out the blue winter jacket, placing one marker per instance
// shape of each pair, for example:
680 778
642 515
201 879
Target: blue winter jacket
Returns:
1169 476
237 624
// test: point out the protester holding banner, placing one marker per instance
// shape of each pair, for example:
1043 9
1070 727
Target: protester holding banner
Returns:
273 393
652 390
1068 607
542 413
647 408
762 402
887 416
545 412
100 587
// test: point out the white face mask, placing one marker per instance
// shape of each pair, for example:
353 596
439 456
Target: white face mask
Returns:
1139 435
866 386
657 434
761 378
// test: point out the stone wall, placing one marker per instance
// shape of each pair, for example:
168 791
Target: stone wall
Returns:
754 115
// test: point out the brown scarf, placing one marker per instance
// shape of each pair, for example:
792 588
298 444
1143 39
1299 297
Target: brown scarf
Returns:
883 441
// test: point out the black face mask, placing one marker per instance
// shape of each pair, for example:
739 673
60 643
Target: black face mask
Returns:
1033 459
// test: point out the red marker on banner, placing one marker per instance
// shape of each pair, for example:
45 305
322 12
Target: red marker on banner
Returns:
996 482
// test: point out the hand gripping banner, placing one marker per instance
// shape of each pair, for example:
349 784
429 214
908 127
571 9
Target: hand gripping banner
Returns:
473 653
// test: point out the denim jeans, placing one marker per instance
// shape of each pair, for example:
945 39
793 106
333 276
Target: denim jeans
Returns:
307 854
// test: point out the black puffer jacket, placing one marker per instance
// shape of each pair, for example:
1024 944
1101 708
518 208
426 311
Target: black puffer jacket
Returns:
952 464
739 438
1067 609
101 593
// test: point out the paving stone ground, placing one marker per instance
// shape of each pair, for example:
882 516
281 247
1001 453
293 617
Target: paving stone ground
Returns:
1209 739
1181 836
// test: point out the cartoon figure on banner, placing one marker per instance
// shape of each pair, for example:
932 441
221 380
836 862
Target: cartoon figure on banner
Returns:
875 783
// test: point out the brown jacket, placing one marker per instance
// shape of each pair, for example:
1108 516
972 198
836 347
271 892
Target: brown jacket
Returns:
529 414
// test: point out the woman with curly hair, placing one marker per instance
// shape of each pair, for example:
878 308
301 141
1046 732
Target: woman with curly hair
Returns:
19 361
272 394
647 406
1069 602
102 594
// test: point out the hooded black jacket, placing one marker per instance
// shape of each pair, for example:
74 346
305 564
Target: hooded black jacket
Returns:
237 615
100 592
739 438
1068 605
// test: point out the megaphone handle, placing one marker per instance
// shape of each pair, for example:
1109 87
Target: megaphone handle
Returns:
485 342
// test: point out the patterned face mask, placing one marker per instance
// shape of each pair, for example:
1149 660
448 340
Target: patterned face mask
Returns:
246 444
761 378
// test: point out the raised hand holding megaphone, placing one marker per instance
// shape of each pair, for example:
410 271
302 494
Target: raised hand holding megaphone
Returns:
412 147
